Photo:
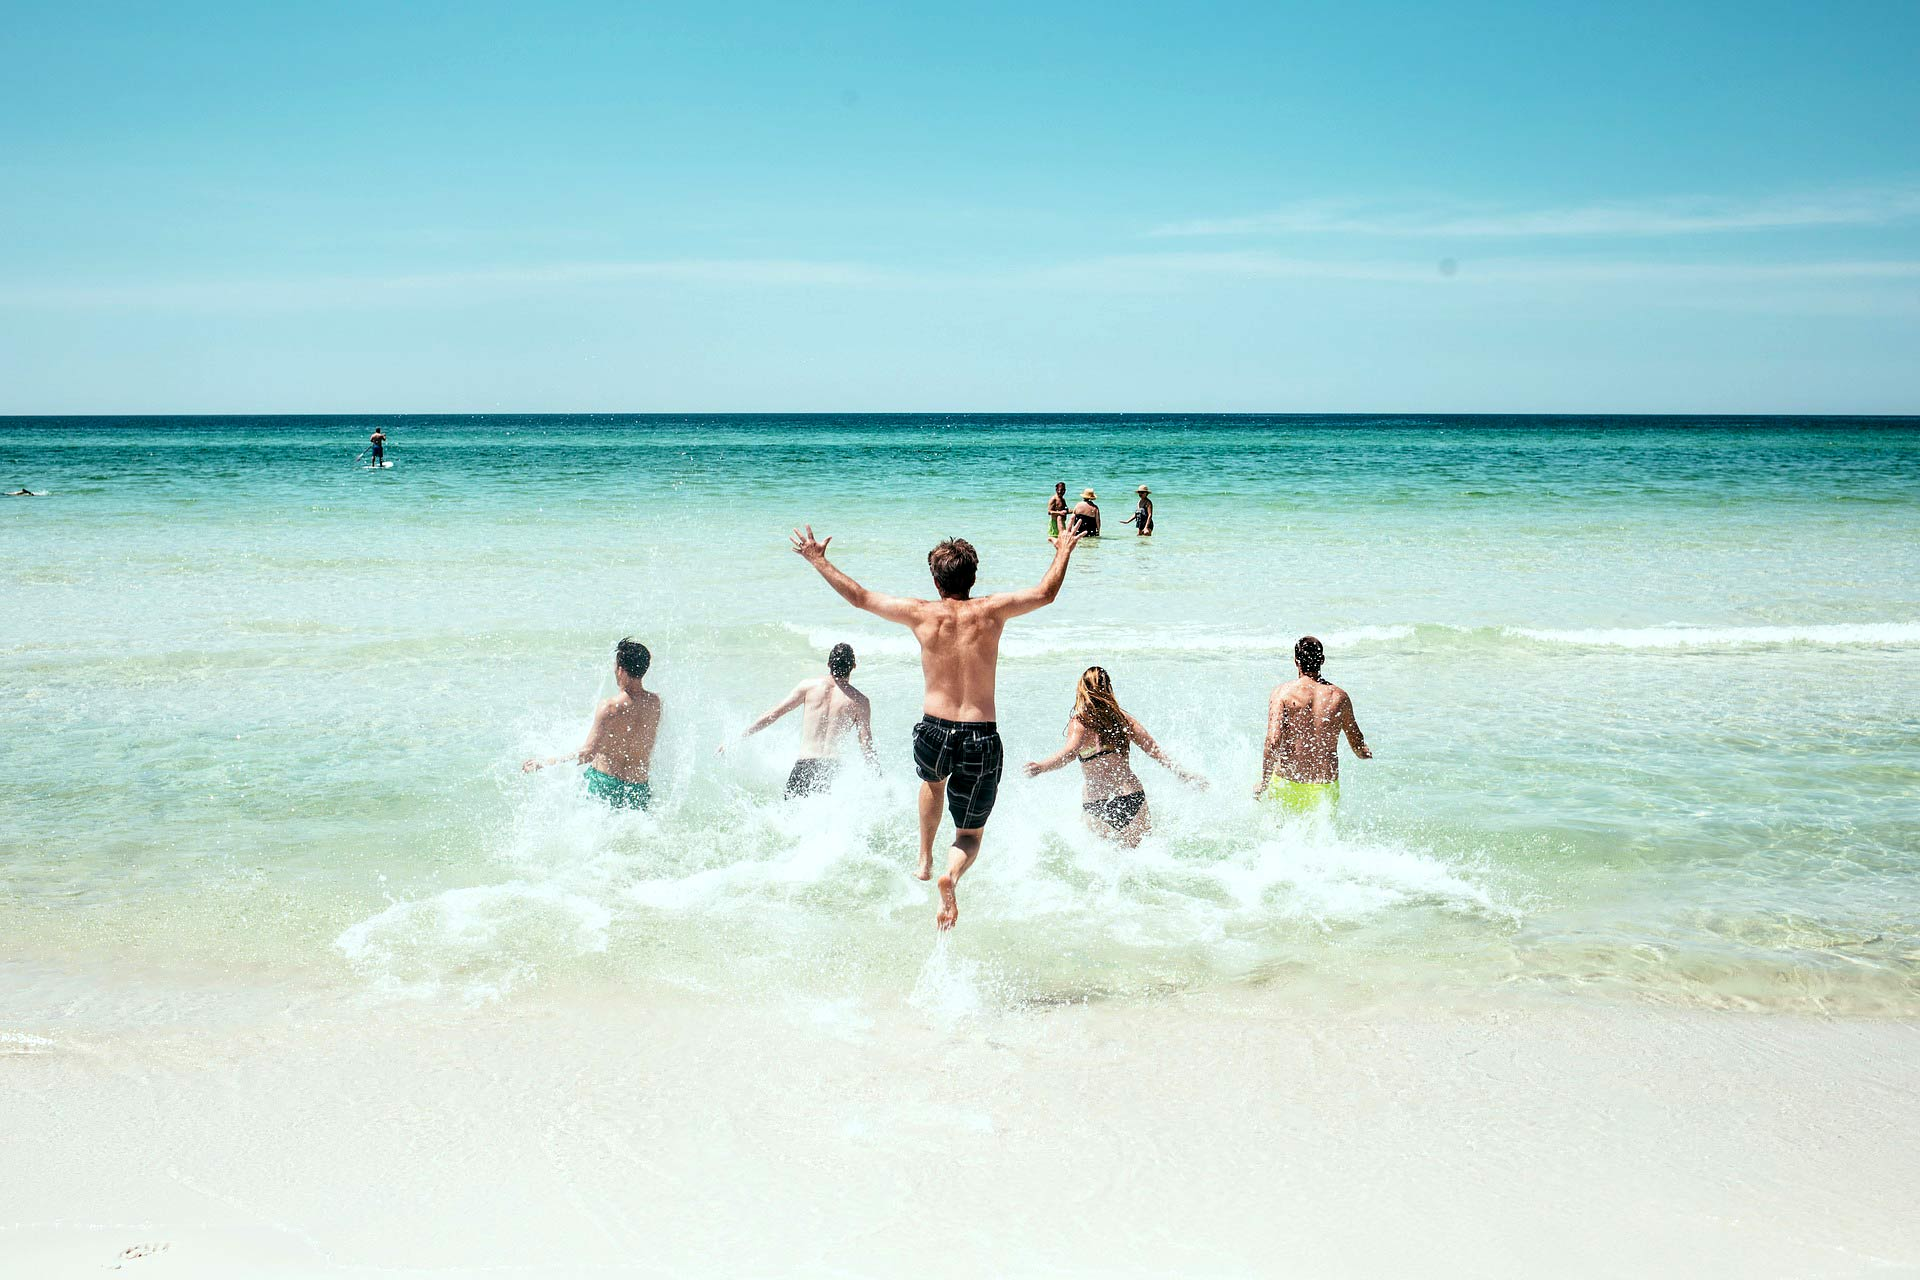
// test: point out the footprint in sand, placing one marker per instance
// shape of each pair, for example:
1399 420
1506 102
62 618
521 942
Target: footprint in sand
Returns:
133 1251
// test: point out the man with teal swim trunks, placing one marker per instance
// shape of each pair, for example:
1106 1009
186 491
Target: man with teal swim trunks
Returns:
618 751
1300 766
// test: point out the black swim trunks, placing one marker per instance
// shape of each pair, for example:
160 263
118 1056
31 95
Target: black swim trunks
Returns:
811 775
1117 811
968 756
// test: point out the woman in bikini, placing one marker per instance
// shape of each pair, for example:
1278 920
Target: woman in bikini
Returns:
1101 736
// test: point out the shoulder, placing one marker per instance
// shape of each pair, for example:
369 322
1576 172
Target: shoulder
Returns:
990 606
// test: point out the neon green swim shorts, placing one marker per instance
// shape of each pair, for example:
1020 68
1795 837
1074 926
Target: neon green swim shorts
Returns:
1303 797
617 792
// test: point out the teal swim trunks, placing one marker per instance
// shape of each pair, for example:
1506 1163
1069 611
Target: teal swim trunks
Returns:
617 792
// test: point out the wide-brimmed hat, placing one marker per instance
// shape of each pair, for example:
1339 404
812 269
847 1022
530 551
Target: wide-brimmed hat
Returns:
1087 494
1143 489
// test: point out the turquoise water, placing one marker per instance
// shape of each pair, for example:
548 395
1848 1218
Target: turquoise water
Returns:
1642 693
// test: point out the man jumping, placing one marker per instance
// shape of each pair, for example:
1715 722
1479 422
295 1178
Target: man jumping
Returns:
956 746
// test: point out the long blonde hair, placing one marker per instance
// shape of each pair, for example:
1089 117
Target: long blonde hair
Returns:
1095 707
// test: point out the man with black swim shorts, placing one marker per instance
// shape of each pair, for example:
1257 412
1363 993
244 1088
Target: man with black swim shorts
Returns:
833 708
956 745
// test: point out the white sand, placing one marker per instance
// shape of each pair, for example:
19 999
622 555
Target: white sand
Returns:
1167 1138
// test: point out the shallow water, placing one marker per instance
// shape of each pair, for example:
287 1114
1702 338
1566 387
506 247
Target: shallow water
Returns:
1642 693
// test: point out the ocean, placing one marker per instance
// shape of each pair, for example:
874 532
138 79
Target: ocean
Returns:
1644 697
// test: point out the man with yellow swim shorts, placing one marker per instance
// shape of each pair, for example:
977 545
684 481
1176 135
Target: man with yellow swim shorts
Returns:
1300 767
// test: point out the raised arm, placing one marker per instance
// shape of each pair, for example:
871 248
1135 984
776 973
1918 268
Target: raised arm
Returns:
1011 604
1076 736
1352 729
1145 742
814 552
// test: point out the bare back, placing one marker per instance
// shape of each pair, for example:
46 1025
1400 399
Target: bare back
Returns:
830 709
1305 718
621 740
959 655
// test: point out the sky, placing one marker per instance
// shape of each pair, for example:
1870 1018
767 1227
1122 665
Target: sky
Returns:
635 207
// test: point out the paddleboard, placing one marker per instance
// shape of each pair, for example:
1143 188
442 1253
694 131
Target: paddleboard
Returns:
379 466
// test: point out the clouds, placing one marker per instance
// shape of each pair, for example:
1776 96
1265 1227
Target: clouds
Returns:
1119 272
294 292
1672 216
1654 253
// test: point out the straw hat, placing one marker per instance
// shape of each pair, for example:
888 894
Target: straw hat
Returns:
1087 494
1143 489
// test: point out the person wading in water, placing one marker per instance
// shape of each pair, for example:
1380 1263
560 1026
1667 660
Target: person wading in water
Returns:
1100 735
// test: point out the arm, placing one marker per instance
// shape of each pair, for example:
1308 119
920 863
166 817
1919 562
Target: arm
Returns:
1076 735
1011 604
863 726
596 734
1270 752
1152 748
1352 730
814 552
793 700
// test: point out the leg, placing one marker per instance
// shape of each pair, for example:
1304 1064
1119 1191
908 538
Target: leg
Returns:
1097 823
1137 830
932 796
966 847
970 794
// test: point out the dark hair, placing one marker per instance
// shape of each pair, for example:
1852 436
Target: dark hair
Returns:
840 661
1060 486
1309 653
954 564
632 657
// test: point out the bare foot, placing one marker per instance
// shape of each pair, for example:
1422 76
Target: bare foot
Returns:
949 905
926 867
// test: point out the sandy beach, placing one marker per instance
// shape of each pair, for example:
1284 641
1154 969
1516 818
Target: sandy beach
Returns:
683 1138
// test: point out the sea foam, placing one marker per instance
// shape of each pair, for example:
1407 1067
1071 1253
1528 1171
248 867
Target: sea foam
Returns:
1701 637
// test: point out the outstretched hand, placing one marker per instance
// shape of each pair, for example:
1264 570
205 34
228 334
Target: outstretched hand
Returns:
1067 539
1032 769
809 547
